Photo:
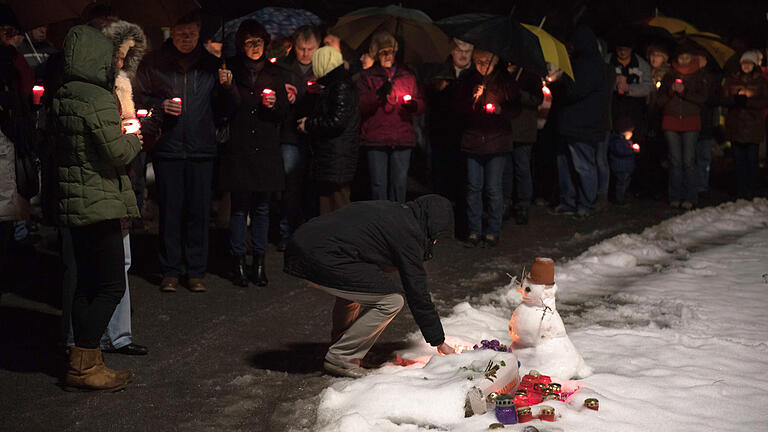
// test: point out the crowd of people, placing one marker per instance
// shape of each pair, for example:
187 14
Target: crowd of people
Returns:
296 130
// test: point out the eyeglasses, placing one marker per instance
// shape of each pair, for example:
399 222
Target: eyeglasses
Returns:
254 43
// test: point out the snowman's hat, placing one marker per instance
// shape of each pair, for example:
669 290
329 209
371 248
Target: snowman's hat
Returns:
542 272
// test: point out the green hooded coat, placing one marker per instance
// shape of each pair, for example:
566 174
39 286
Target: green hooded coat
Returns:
91 150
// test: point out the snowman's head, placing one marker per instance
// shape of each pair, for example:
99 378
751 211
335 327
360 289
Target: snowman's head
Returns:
535 294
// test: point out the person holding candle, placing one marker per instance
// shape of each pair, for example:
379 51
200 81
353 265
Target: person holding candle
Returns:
185 151
621 157
486 101
682 94
745 94
251 165
93 193
387 130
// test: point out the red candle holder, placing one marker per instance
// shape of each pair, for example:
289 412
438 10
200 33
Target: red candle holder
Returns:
310 83
273 59
678 80
636 147
264 93
131 126
490 108
524 414
544 379
37 94
407 98
142 112
547 413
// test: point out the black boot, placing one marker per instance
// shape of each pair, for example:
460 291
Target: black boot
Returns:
521 216
239 274
259 271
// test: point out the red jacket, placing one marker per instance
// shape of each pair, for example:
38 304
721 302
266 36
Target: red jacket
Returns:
388 122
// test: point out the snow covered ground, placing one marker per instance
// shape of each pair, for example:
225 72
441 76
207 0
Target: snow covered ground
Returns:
673 322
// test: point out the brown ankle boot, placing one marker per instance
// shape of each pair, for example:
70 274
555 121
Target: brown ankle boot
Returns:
87 372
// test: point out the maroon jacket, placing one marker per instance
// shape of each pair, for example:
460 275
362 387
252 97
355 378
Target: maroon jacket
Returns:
388 122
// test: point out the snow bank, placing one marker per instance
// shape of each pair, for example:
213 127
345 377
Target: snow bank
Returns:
674 322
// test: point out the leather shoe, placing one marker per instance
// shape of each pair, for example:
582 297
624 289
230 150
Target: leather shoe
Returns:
169 284
353 372
197 285
130 349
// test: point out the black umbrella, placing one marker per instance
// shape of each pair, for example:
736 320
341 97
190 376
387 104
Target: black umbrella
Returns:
457 25
508 39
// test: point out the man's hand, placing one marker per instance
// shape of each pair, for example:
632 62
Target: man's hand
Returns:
225 77
292 92
478 91
445 349
171 107
301 125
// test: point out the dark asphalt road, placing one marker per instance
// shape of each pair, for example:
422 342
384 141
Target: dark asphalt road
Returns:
242 358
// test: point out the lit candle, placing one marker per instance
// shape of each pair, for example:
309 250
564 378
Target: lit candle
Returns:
37 93
131 126
407 98
310 83
264 93
636 147
273 60
546 91
142 112
490 108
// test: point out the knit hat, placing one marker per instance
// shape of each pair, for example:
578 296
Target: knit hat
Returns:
752 56
542 272
326 59
381 40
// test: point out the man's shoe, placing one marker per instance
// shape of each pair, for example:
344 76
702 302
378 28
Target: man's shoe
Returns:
259 271
197 285
473 240
521 216
169 284
353 372
86 371
239 272
282 245
491 240
561 211
130 349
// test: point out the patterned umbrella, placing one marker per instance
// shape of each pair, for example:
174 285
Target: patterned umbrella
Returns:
279 22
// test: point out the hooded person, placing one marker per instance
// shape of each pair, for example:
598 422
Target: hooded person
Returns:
369 239
334 129
93 194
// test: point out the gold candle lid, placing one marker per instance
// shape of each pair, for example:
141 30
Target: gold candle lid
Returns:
547 410
523 410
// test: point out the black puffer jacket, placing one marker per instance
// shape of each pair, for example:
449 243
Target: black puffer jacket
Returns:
252 160
167 73
335 129
348 248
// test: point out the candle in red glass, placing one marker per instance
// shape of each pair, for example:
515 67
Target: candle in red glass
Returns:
678 80
407 98
142 112
177 100
489 108
131 126
543 379
37 93
273 60
636 147
264 93
547 413
524 414
310 83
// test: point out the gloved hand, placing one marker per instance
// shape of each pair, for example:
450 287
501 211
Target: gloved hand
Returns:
740 100
411 106
384 90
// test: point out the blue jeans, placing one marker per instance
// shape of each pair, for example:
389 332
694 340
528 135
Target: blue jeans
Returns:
703 160
580 158
118 333
295 161
484 174
517 181
603 169
745 156
682 166
388 168
257 205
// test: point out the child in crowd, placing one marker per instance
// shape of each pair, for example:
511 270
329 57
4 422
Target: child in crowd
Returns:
621 157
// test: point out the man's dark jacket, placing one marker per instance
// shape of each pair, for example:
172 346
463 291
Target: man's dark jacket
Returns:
291 72
335 129
167 73
349 248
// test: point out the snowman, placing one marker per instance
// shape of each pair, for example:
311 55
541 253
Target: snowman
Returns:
537 331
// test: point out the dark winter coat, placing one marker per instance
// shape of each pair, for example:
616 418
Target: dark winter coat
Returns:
348 248
585 114
167 73
524 126
305 101
633 103
621 155
335 129
445 124
710 115
91 151
488 133
387 122
745 123
252 159
682 112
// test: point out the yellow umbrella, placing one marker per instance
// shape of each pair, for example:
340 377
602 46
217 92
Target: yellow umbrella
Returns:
714 46
554 51
672 25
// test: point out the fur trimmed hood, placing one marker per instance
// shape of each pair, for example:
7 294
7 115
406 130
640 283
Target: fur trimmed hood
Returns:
128 37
